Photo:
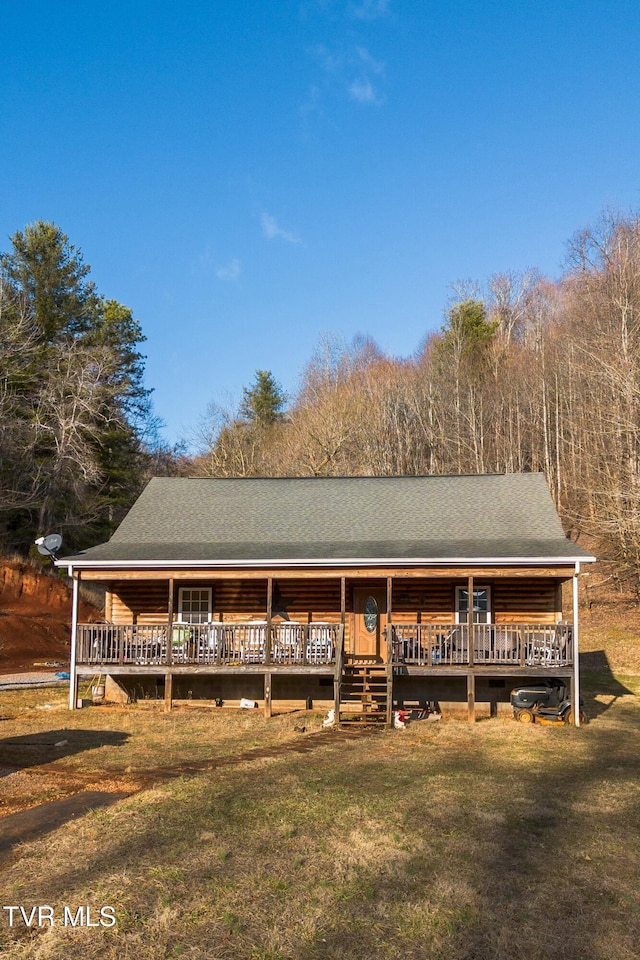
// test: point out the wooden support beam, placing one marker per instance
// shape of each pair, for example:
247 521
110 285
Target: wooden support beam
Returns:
337 694
121 634
170 623
471 697
343 612
575 676
267 695
449 572
267 638
337 679
389 650
388 631
168 690
470 618
73 682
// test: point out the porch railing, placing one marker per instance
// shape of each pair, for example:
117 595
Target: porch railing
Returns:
447 644
319 643
287 643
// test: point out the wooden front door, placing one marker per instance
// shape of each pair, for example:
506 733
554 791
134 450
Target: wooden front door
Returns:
369 614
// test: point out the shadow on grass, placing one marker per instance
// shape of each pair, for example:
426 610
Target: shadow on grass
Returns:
36 749
547 862
36 821
494 859
540 863
597 679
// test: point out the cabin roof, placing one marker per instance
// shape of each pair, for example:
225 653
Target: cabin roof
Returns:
215 522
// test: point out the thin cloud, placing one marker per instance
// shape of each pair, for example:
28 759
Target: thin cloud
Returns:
369 9
229 271
353 71
272 230
375 66
362 91
331 61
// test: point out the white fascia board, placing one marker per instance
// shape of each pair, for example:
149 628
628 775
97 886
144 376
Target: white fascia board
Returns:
334 562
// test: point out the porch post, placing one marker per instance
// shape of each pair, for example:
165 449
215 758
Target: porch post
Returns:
267 639
267 695
471 678
389 650
470 618
170 624
576 652
73 678
337 677
471 696
168 690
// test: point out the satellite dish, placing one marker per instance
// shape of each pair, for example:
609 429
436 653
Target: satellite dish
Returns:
48 546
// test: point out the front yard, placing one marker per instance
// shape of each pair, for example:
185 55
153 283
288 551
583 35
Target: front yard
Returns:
246 838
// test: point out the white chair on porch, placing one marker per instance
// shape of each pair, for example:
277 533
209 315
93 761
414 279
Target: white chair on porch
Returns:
287 647
255 641
211 641
319 647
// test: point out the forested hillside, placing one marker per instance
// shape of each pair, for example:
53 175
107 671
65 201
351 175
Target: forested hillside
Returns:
525 374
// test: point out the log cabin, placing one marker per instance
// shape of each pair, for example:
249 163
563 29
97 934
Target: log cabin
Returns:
363 594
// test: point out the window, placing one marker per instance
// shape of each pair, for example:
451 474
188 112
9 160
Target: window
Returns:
194 604
481 605
370 615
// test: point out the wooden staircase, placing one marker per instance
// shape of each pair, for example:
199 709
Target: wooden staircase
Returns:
364 694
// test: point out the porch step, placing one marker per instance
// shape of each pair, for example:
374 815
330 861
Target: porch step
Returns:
364 696
367 717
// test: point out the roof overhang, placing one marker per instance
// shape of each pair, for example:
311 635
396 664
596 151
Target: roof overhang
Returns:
322 563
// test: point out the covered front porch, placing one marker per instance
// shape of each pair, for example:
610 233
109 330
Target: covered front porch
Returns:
334 624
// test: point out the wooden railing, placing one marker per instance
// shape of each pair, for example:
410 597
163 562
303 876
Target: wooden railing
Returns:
447 644
304 644
319 644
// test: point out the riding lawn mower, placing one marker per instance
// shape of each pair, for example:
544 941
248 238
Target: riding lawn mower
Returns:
547 702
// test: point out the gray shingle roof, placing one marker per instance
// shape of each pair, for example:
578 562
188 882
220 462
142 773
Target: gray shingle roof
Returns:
226 521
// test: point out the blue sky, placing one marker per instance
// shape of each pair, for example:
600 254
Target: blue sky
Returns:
247 176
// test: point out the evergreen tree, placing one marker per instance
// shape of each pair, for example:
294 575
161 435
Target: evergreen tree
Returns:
468 332
51 278
74 406
263 403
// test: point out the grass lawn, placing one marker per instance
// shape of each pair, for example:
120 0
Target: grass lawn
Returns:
447 840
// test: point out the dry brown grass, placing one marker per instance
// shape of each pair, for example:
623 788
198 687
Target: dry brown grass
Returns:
609 621
445 840
120 747
610 636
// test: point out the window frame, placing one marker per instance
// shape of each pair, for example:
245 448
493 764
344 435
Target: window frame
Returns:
476 589
181 598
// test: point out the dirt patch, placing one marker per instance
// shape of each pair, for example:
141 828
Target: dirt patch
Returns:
80 792
304 745
35 618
